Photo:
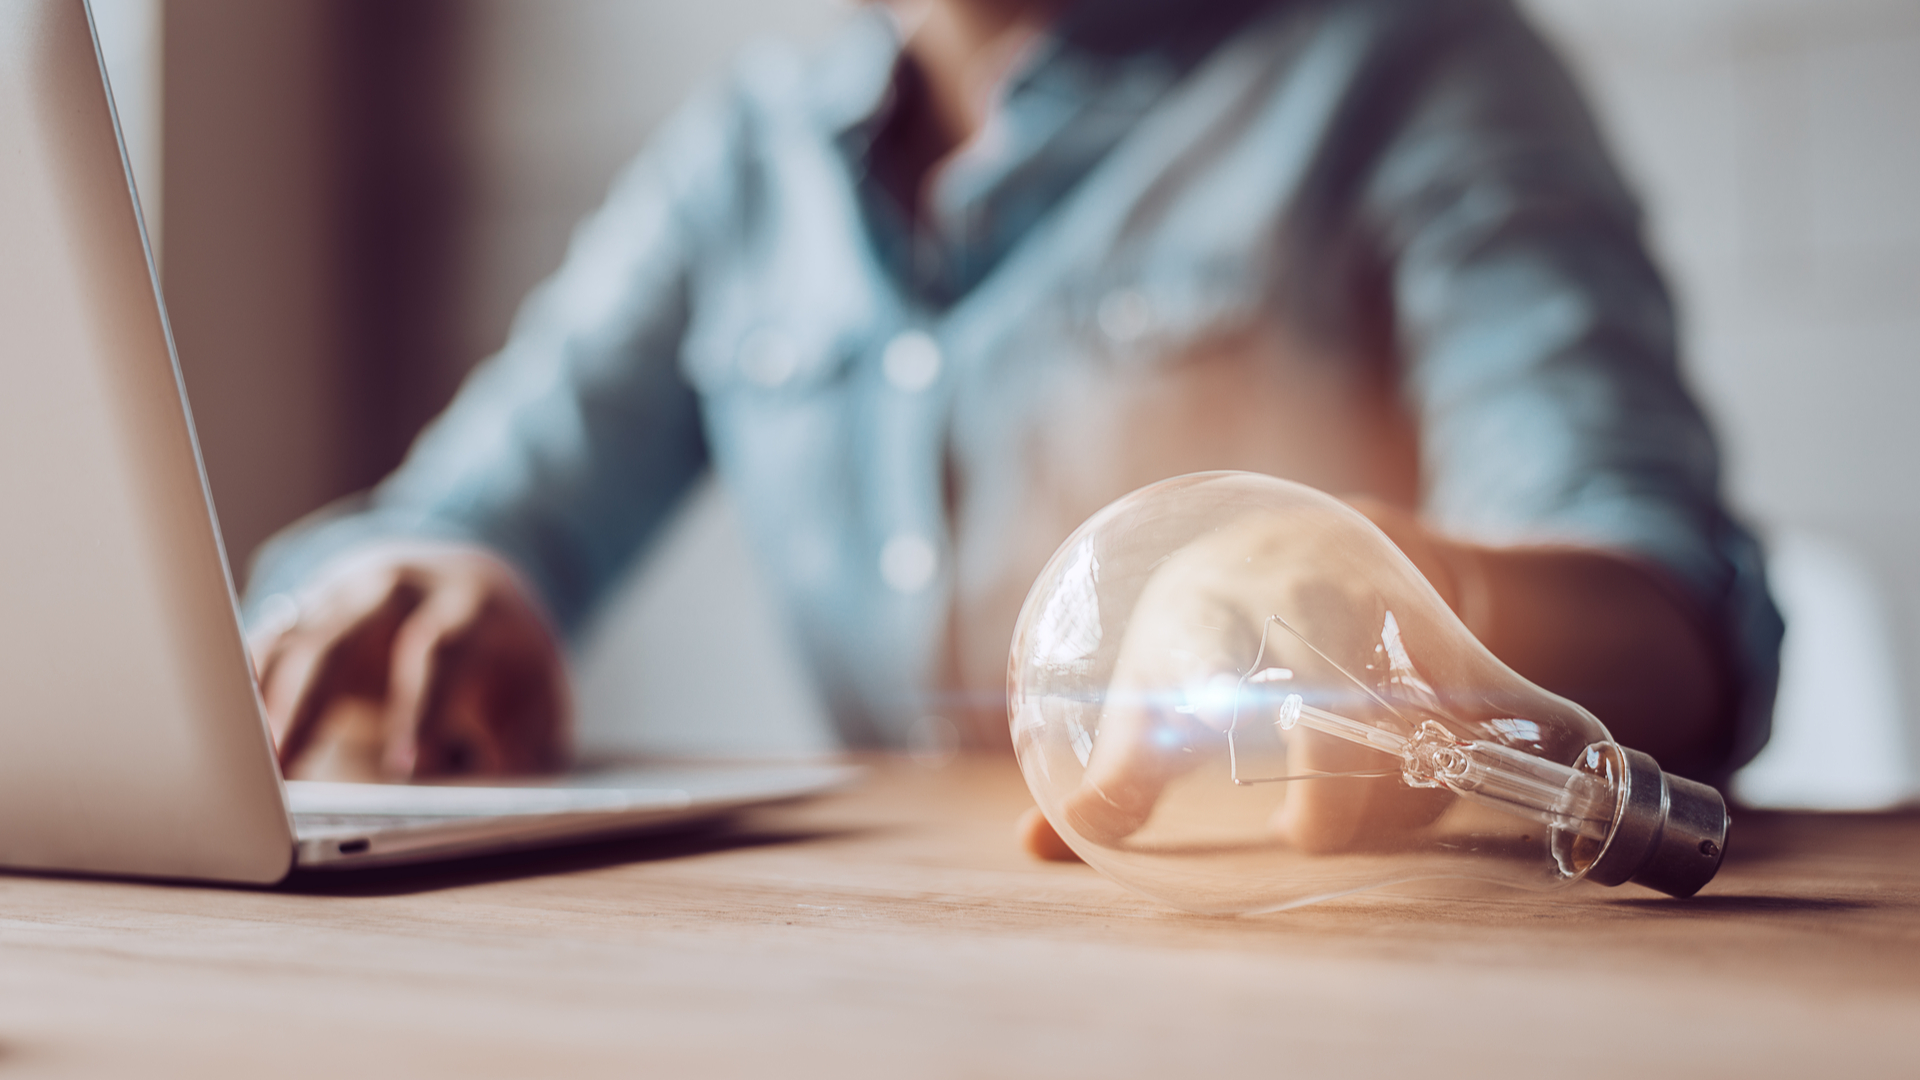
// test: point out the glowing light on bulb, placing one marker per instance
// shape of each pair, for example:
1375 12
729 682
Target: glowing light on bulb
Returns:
1233 693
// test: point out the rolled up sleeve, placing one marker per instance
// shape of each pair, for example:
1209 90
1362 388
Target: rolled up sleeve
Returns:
1540 343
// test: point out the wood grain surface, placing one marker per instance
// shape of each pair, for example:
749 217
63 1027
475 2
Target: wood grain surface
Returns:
896 931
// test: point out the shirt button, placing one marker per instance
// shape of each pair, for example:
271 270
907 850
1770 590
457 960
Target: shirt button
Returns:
1125 316
912 361
768 358
907 562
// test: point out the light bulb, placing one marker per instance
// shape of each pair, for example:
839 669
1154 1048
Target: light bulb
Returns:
1234 694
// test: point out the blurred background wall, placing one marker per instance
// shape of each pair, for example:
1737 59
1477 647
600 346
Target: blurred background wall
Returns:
353 195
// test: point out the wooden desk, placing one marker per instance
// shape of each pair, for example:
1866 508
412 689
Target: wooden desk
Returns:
896 932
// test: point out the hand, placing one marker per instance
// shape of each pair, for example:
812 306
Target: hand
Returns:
444 648
1202 617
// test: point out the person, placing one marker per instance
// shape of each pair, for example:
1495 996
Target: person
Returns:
928 297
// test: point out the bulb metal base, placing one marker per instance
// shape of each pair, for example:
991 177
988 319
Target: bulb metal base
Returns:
1671 833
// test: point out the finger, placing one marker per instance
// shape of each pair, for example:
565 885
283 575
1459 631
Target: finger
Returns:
1323 816
1173 691
270 650
332 657
426 670
502 703
1125 776
264 651
287 648
311 674
1040 839
277 617
288 670
514 716
454 736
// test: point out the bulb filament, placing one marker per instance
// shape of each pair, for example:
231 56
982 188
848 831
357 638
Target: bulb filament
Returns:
1481 771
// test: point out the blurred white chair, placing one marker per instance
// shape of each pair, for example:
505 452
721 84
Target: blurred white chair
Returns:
1841 737
690 657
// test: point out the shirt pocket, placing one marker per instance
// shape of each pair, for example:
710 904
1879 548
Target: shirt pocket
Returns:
1148 315
764 355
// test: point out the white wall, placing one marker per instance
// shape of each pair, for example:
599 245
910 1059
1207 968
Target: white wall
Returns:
1777 143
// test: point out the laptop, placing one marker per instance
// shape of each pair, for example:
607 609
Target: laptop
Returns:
132 739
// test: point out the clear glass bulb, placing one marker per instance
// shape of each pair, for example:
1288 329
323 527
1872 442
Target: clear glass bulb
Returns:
1234 694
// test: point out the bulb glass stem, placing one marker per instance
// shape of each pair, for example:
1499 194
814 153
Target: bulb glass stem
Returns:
1492 775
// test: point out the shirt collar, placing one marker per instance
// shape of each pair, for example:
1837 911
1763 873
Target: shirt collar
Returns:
1071 98
851 80
854 76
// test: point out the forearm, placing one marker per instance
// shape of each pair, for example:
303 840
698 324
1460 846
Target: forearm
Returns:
1608 632
1600 628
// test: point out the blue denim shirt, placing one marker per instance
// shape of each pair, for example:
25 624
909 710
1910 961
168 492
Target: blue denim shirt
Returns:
1374 245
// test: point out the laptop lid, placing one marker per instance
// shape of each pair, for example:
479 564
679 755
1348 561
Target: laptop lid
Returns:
131 737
